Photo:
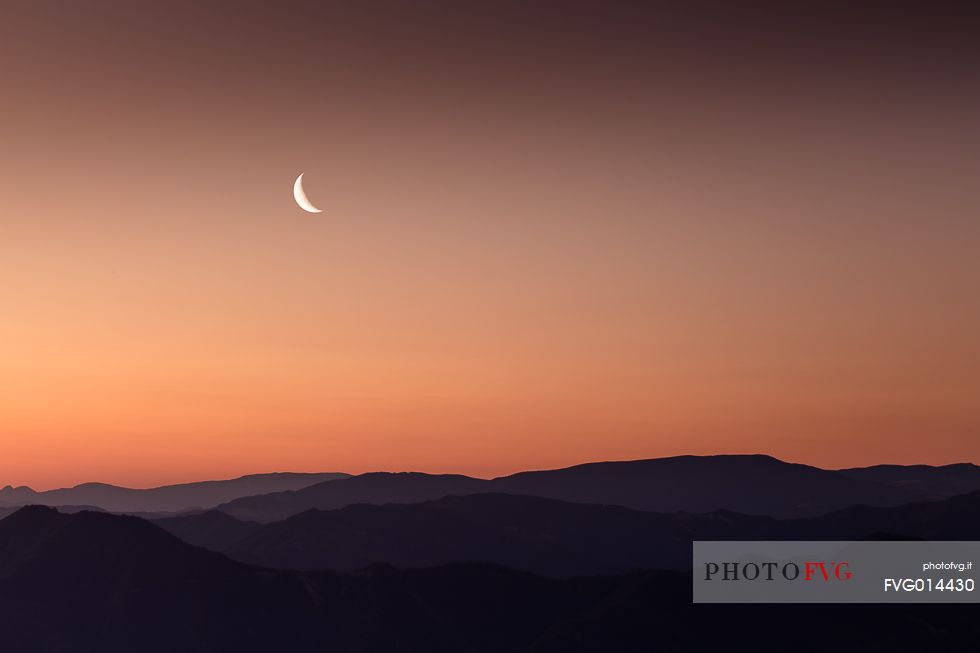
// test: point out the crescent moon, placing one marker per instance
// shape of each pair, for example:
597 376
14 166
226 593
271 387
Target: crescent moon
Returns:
300 196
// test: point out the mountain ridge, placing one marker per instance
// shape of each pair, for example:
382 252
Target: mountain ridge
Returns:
749 484
116 584
544 536
164 498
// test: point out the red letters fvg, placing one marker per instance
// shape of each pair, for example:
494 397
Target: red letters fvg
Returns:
840 570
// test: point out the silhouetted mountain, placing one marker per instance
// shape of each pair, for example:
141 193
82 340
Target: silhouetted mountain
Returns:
212 529
955 518
97 582
925 481
374 488
756 485
94 582
539 535
100 582
9 510
168 498
544 536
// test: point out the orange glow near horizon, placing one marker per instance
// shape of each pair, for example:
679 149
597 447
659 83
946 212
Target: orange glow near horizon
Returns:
518 266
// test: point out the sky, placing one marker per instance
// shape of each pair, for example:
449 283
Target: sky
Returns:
552 233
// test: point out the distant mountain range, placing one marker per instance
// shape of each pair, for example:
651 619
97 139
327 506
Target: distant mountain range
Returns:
533 534
925 481
168 498
100 582
754 485
589 558
746 484
543 536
